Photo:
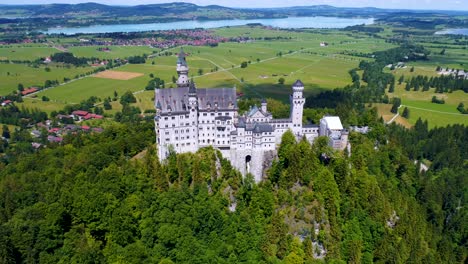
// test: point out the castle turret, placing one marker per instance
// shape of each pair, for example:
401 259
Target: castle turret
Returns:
297 106
193 115
182 70
264 106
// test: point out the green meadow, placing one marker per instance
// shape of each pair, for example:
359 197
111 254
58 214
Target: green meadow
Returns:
114 53
275 54
13 74
28 52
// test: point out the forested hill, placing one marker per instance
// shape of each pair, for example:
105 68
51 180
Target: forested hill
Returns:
181 10
87 201
188 10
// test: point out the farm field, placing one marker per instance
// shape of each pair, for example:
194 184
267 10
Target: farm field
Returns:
13 74
294 55
37 103
28 52
259 78
114 53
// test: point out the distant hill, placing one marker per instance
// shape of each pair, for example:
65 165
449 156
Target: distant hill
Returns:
85 14
180 8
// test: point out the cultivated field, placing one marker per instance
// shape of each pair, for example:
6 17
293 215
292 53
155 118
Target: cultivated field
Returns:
118 75
282 54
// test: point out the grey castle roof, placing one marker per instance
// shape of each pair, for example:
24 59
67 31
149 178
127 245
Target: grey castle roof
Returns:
256 127
175 100
298 83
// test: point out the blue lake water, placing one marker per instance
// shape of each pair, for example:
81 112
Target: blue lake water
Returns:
454 31
290 22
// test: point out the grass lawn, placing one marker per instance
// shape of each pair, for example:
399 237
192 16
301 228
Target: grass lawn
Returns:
114 53
13 74
436 119
82 89
28 52
48 107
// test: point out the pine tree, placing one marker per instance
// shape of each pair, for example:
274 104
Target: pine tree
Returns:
408 87
400 81
392 87
406 113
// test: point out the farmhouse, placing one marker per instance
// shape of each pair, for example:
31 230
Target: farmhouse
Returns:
85 115
6 102
189 118
29 91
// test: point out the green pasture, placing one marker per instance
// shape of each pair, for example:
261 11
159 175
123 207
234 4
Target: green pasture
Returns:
30 52
318 72
420 105
37 103
13 74
114 53
90 86
434 119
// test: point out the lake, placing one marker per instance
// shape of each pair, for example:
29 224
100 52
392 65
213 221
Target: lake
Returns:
453 31
290 22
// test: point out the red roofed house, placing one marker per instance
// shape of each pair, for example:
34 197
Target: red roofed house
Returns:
29 91
6 102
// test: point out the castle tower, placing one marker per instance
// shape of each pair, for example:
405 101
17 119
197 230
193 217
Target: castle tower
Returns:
182 70
297 106
264 105
193 115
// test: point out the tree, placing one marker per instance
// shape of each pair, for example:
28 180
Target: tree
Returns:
107 105
200 72
408 86
174 79
412 69
151 75
20 87
401 79
406 113
281 80
244 64
45 98
396 105
391 89
127 98
5 131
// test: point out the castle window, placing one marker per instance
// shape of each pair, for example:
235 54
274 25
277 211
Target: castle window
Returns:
176 138
165 118
173 117
204 114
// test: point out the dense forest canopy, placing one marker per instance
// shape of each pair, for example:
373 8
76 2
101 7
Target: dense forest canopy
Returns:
87 201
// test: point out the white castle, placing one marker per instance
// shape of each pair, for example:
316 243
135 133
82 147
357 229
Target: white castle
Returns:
190 118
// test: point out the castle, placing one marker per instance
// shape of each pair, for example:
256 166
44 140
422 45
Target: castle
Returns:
190 118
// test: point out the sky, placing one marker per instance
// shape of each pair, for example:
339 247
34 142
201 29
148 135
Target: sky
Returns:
395 4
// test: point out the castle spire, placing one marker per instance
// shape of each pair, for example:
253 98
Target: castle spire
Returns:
182 70
181 58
